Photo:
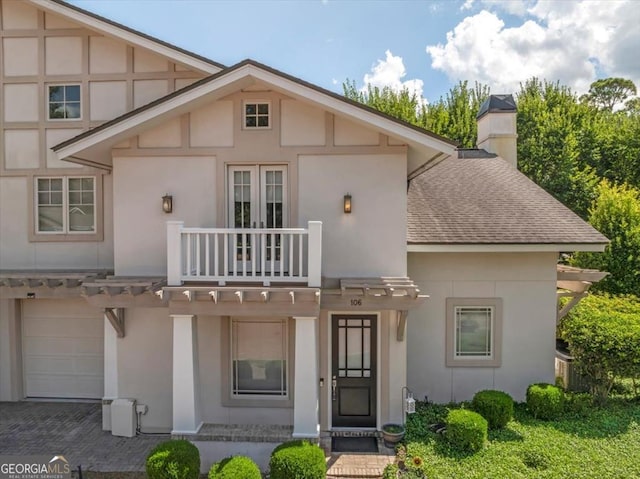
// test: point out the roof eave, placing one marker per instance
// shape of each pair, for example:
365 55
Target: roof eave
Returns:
250 71
504 247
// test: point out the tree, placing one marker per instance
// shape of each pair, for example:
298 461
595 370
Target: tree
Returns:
453 116
553 128
609 92
616 214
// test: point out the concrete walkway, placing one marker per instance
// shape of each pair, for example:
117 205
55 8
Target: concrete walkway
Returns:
73 430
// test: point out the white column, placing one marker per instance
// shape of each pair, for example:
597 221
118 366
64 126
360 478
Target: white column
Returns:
314 260
305 398
174 252
186 386
110 372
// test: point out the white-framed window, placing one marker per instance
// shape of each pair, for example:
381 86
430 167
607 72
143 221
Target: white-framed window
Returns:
63 102
474 331
65 205
259 358
257 114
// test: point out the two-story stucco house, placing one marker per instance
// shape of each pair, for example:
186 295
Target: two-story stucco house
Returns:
238 246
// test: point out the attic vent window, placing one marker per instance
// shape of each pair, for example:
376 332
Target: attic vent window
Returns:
257 115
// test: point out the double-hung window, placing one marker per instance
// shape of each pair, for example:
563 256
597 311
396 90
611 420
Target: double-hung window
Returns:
66 205
474 331
64 102
259 349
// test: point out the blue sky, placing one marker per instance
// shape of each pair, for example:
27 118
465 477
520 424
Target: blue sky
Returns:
425 45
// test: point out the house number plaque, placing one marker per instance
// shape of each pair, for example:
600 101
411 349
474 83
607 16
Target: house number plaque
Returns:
356 302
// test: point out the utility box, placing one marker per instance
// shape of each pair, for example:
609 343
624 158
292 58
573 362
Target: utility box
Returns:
123 417
571 379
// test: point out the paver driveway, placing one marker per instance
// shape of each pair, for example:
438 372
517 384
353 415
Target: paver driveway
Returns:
73 430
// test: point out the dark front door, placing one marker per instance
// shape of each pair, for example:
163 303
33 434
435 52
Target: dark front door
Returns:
353 375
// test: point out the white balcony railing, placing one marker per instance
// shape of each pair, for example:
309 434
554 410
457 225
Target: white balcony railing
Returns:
265 255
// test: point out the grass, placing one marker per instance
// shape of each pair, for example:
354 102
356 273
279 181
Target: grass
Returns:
587 443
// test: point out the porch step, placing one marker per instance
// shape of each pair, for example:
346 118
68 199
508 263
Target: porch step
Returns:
358 465
240 433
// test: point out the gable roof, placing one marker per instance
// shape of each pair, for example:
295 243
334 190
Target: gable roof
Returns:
234 78
116 30
464 203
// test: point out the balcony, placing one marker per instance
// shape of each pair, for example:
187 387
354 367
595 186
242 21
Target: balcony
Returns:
244 255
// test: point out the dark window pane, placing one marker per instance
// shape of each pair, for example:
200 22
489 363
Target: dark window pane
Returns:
251 121
263 108
250 109
56 184
263 121
72 93
56 93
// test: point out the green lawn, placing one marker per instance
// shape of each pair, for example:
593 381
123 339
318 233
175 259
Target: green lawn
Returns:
599 443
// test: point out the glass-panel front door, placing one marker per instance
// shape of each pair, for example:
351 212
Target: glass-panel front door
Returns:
353 375
257 199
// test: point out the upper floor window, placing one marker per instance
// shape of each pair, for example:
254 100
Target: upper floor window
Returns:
257 114
66 205
64 102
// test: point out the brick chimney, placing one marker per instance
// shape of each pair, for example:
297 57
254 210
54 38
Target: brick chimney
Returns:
497 127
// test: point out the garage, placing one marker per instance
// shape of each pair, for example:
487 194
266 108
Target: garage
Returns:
62 348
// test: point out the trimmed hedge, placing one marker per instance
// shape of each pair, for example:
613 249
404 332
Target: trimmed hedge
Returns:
299 460
495 406
466 430
545 401
174 459
235 467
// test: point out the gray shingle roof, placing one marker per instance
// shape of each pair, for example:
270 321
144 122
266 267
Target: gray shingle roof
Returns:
486 201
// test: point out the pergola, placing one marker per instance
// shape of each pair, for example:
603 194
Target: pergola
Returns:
574 283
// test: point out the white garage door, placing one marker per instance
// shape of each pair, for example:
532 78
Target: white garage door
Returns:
62 349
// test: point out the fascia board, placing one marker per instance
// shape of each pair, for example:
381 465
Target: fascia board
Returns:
505 248
129 37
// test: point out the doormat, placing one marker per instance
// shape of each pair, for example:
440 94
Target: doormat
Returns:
354 444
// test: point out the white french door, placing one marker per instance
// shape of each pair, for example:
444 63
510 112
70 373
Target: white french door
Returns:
258 200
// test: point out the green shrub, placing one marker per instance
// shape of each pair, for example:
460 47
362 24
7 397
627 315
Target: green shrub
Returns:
603 333
235 467
175 459
578 404
299 460
545 401
495 406
466 430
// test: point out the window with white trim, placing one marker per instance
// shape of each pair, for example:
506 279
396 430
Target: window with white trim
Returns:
64 102
259 349
257 114
65 205
474 331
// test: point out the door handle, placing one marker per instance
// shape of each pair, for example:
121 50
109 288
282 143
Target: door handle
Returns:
334 385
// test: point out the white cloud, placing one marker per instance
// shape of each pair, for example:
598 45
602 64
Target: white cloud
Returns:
467 5
570 41
390 72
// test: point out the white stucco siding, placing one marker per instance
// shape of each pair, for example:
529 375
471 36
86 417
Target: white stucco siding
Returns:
526 283
371 241
145 365
140 243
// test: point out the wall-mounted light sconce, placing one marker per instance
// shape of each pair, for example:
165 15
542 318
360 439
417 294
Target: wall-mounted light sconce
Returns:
347 203
167 203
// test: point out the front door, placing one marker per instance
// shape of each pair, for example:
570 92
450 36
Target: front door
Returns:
353 375
257 199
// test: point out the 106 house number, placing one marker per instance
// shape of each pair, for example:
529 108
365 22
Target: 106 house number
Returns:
356 302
